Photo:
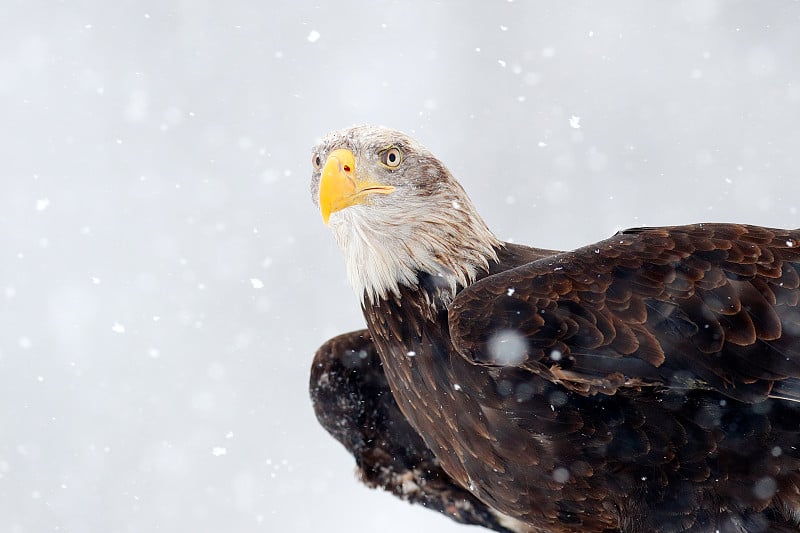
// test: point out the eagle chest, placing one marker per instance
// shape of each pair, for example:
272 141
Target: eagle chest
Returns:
422 368
445 400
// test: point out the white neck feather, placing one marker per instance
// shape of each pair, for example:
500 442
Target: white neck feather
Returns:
384 249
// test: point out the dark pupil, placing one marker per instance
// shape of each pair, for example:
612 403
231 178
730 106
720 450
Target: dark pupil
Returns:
317 161
392 157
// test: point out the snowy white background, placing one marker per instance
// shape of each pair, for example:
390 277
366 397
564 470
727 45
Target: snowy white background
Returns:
155 160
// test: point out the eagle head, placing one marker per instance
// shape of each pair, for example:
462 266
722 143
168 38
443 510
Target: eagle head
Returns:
396 213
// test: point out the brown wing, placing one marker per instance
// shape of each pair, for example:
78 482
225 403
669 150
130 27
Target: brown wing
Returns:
353 403
707 306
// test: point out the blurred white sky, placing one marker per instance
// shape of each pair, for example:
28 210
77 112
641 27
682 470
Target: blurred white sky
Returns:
156 159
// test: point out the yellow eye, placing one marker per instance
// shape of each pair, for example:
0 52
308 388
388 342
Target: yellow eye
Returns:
391 157
316 160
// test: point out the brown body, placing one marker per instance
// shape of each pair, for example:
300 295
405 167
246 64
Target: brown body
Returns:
649 382
692 444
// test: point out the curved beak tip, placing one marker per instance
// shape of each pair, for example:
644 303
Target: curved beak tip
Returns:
336 186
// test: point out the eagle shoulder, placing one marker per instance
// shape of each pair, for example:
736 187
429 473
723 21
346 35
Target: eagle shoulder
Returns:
713 306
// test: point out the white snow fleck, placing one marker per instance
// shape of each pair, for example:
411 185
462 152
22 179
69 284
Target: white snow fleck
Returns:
40 379
229 435
503 28
548 51
555 355
456 205
560 475
256 283
790 243
541 144
765 487
501 63
154 353
42 204
118 328
25 343
245 143
507 347
95 280
456 386
411 353
156 318
216 371
510 291
575 122
218 451
313 36
532 78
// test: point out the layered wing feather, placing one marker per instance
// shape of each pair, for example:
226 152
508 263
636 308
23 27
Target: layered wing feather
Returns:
707 306
353 402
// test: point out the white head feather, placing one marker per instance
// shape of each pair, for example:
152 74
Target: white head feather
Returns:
428 224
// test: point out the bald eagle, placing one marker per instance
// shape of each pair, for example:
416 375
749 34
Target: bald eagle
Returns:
648 382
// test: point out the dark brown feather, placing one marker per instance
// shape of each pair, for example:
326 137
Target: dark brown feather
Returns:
353 403
658 388
651 361
647 383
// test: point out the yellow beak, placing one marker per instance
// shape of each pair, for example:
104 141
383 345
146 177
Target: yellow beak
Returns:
339 187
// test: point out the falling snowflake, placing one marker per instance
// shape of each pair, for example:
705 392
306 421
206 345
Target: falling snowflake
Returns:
507 347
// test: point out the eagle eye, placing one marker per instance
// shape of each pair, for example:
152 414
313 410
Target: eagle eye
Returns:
391 157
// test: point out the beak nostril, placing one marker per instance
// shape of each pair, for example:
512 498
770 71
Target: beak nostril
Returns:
347 168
